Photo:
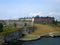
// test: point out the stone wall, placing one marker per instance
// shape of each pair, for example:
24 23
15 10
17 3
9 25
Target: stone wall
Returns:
28 30
1 40
13 36
16 35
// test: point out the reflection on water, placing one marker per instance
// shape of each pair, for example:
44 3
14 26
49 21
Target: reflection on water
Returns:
42 41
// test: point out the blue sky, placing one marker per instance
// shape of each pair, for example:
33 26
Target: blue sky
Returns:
13 9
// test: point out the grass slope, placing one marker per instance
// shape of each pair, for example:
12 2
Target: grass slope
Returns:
44 29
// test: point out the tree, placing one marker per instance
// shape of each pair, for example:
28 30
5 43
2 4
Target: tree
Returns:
1 27
15 25
25 24
55 22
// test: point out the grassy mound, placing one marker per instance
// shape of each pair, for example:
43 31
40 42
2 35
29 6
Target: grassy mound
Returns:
41 29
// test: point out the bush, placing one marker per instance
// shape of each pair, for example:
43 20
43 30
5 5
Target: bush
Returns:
15 24
1 27
55 22
25 24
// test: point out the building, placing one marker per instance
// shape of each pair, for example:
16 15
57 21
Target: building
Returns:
12 22
19 23
29 21
44 20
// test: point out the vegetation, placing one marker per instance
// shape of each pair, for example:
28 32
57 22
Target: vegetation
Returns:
55 22
58 24
41 29
58 27
8 29
44 29
15 25
1 27
25 24
29 36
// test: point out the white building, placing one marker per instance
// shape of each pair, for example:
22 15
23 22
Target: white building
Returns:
29 21
19 22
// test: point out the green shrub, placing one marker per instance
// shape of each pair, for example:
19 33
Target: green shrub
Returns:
1 27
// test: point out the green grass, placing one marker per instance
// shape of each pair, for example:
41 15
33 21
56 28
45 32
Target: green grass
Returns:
8 29
29 36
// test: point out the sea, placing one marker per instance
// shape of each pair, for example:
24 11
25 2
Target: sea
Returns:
40 41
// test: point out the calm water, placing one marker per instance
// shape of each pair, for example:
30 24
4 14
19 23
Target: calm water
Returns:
42 41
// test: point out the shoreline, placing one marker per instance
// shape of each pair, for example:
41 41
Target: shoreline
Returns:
52 35
31 39
36 37
39 38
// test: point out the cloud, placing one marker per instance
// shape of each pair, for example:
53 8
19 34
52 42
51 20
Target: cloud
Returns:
37 13
45 14
50 14
54 13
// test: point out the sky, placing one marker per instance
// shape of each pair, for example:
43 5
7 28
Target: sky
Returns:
14 9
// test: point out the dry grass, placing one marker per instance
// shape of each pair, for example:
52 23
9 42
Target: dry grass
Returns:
41 29
44 29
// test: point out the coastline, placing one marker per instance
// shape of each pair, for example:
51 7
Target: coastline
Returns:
52 35
37 37
22 39
29 37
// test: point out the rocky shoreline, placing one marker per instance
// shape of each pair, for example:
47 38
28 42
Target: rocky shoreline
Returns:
52 35
36 37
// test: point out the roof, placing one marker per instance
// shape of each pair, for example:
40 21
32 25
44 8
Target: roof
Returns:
44 17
